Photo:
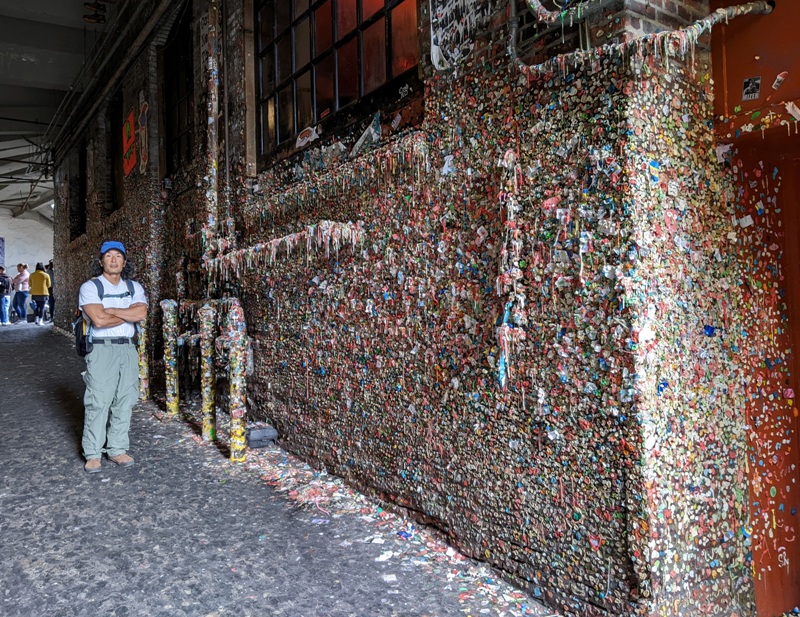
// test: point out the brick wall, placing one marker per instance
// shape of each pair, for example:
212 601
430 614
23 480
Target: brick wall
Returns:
478 354
648 16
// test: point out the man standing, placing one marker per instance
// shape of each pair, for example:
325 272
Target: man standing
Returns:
112 367
39 284
5 298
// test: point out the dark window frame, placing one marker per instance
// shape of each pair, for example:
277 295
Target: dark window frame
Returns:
271 144
179 120
79 190
116 123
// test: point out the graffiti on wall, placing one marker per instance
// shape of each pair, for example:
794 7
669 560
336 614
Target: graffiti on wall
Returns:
454 25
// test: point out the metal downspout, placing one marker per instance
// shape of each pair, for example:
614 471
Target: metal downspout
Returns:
761 7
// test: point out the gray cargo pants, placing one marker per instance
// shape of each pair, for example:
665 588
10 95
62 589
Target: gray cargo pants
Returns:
112 389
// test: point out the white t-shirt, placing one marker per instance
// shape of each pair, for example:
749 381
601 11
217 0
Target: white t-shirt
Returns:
114 296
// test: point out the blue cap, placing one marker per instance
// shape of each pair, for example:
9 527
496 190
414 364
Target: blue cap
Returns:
112 244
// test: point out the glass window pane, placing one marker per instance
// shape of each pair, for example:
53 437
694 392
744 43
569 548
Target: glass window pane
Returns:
373 59
182 85
286 113
323 28
369 8
283 15
405 47
267 74
302 43
268 125
324 78
284 49
305 108
345 18
300 7
266 20
183 114
347 60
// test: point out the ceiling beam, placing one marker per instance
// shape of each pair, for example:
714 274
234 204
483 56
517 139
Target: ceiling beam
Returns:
45 220
44 198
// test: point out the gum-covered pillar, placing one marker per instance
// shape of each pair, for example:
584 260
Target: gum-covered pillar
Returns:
237 366
208 319
170 309
210 181
144 362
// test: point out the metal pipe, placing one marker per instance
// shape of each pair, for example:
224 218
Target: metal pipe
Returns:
144 362
690 33
544 14
170 310
224 47
208 323
210 181
236 336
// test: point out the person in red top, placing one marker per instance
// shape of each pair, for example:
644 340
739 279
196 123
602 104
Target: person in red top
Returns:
21 287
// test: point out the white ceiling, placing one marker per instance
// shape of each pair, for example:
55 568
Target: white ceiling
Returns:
43 47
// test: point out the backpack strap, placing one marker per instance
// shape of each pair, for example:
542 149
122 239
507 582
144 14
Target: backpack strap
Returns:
136 328
100 289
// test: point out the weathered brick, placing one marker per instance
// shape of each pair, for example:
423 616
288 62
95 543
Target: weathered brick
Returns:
642 8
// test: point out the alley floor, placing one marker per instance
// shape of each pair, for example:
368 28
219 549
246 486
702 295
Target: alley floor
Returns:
186 533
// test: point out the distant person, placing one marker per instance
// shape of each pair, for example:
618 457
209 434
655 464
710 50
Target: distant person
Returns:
51 302
39 283
21 289
112 367
5 296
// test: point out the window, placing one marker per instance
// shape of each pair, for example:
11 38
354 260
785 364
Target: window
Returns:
117 126
179 92
78 190
318 57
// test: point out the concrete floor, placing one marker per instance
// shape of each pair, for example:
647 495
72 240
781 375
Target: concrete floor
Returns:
183 532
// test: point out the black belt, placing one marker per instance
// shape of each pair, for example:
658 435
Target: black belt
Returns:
112 341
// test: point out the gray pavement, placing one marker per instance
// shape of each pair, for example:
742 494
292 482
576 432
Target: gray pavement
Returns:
184 532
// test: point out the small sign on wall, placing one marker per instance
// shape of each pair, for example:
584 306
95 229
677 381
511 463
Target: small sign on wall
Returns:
129 144
751 89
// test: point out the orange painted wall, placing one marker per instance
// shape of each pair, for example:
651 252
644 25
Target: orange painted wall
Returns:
765 165
757 46
768 193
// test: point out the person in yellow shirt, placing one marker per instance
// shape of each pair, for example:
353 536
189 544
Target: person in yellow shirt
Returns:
40 285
